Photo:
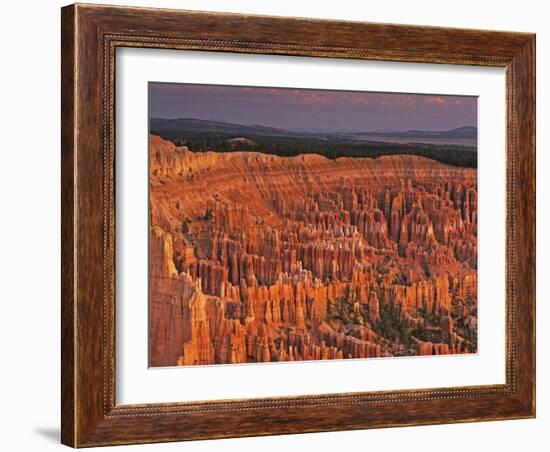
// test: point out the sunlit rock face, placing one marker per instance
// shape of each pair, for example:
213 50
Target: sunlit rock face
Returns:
261 258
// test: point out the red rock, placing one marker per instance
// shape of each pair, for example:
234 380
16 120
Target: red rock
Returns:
255 257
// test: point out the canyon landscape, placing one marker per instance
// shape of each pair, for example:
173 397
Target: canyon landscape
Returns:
269 246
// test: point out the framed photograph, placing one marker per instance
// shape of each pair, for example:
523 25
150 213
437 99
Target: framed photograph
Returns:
281 225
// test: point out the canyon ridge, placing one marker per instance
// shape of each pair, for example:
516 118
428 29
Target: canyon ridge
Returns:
256 257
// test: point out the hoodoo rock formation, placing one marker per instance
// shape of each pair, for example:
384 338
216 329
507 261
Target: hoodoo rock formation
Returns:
261 258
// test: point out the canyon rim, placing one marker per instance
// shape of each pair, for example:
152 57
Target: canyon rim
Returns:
294 224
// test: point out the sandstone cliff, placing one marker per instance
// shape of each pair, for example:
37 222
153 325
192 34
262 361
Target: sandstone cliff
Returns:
260 258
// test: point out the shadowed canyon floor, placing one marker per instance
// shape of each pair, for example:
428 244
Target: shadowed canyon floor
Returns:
261 258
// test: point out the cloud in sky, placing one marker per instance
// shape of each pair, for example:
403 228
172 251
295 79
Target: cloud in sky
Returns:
308 108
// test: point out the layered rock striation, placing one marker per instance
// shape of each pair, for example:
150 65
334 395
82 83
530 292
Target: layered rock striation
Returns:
260 258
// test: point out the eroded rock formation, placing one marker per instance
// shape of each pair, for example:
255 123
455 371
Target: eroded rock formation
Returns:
260 258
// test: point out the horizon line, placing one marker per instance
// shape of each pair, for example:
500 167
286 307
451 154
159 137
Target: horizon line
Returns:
389 130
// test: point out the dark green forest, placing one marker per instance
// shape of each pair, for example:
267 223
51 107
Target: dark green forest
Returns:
330 146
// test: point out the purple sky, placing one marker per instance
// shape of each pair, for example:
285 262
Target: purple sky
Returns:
311 109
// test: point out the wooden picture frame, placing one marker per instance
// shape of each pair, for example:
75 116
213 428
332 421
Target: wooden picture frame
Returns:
90 36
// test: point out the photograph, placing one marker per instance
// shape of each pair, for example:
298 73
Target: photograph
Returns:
299 222
293 224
